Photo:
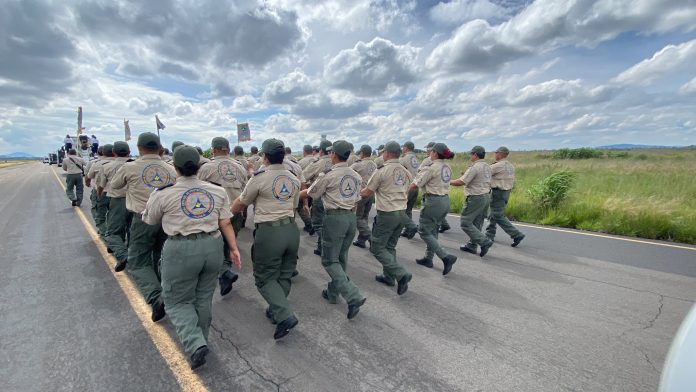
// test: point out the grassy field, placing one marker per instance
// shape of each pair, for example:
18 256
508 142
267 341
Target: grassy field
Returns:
4 164
641 193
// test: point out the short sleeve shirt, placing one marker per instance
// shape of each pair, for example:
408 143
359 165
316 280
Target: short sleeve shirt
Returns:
434 178
141 177
274 192
390 184
339 188
477 179
503 175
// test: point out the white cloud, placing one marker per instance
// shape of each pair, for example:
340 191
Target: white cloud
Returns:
670 59
458 11
688 88
289 87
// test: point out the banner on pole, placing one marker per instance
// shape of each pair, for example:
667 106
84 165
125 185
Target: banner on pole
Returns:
160 125
79 120
126 129
243 132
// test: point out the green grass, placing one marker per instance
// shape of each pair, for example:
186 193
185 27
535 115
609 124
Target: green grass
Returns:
647 193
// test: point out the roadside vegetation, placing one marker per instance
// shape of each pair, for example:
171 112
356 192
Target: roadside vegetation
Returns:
641 193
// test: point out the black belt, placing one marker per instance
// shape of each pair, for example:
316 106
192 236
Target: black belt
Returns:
338 211
191 236
434 195
275 223
390 212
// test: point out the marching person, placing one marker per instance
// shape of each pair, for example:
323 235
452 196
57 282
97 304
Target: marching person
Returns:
365 167
390 184
192 213
231 176
339 190
118 217
502 182
95 144
320 165
100 205
307 156
75 167
379 161
444 226
477 188
137 180
435 178
254 159
410 162
274 191
68 141
204 160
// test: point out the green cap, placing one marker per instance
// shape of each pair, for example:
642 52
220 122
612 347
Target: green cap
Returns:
176 144
410 146
430 145
340 148
220 143
440 148
100 151
381 147
121 148
365 149
149 140
272 146
200 150
478 150
185 154
307 148
352 147
503 149
255 150
238 150
392 147
108 149
324 145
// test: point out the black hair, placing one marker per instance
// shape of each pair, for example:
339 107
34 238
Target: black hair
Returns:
189 169
307 149
125 154
480 155
276 158
288 151
254 150
342 159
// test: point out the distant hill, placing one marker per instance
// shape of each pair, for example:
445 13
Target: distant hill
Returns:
632 147
18 155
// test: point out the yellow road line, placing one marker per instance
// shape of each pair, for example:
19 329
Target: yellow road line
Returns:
609 237
167 347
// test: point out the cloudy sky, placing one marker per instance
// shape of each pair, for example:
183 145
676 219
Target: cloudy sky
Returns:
526 74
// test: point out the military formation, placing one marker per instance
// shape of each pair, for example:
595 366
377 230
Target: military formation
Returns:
171 221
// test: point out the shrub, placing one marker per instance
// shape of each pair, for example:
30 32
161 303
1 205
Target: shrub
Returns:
577 153
550 192
641 157
617 154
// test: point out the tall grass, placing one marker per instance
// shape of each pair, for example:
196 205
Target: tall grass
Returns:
648 193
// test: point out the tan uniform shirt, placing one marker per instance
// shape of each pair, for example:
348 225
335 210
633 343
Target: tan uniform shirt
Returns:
227 173
390 184
502 175
107 175
245 164
351 159
434 178
96 166
203 161
274 192
379 161
477 179
304 162
73 164
142 176
294 168
410 162
339 188
256 161
366 168
320 165
425 163
190 206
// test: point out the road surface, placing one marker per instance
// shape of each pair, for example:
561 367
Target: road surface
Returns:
566 311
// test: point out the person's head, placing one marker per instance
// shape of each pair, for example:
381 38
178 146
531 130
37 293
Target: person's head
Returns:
94 136
148 143
315 150
408 147
365 151
85 142
72 152
121 149
176 144
477 153
200 150
108 150
392 150
220 146
238 151
324 146
100 151
440 151
380 149
288 151
186 160
254 150
429 147
501 153
273 151
166 151
307 150
340 151
68 135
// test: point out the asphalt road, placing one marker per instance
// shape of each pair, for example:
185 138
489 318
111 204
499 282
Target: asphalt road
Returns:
565 311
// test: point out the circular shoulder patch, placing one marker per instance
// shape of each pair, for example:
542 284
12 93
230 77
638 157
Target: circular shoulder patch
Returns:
348 186
197 203
155 176
446 173
414 162
228 171
399 177
284 188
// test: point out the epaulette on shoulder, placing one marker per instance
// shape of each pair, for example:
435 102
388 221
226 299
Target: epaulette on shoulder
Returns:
215 183
164 187
130 160
261 171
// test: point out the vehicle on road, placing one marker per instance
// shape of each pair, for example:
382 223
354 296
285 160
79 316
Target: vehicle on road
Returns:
46 160
52 158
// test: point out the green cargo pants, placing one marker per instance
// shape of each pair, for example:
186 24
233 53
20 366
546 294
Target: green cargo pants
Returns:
100 211
339 231
434 212
227 262
410 203
189 270
317 214
471 220
144 253
118 219
306 218
274 257
499 199
74 187
362 215
385 234
93 205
